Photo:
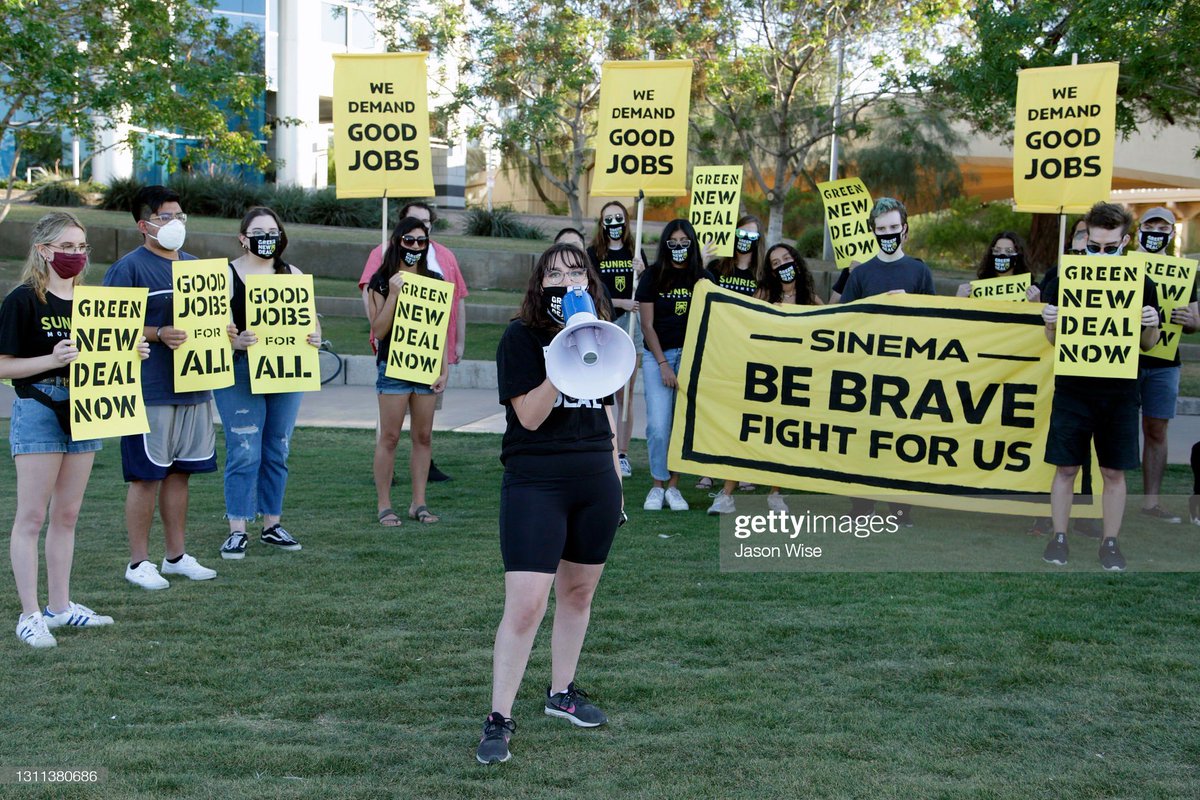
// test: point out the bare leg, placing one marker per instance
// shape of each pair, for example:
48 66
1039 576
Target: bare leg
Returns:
525 596
139 514
392 408
574 587
172 507
35 483
1154 458
420 431
1062 494
1113 501
60 535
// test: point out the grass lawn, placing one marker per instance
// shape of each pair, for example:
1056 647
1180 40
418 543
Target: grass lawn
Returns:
360 666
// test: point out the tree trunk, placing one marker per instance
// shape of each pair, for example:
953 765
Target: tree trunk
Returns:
1042 248
775 224
576 209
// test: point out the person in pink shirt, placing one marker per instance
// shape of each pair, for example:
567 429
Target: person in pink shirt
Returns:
441 261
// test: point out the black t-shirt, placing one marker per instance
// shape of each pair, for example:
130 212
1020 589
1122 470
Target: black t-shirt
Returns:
573 426
379 284
616 270
839 285
30 328
741 281
237 300
672 301
1085 384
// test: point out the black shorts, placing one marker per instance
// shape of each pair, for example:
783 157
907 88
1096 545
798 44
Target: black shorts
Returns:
558 508
1110 418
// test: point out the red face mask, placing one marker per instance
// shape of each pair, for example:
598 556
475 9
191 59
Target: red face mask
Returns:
68 265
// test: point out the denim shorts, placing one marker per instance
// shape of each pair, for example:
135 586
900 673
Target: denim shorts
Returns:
35 428
1158 388
386 385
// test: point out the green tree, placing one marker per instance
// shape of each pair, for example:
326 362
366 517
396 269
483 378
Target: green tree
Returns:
767 72
154 65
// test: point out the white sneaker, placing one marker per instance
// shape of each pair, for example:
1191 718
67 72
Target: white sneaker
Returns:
722 504
626 468
188 567
146 576
76 616
675 500
775 502
654 500
32 631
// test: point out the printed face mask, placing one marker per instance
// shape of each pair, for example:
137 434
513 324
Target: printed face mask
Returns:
411 257
552 299
264 246
1005 264
744 241
68 265
679 256
786 272
615 232
1153 241
888 242
171 236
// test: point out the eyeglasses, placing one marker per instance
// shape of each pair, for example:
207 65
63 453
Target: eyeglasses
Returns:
1107 249
615 219
165 218
262 232
415 241
750 235
999 251
72 248
675 244
555 276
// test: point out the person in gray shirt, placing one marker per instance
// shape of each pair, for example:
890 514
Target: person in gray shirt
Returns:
890 271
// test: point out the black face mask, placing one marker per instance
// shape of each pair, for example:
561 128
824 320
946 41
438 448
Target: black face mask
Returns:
888 242
411 257
1153 241
786 272
615 232
1006 265
552 302
265 246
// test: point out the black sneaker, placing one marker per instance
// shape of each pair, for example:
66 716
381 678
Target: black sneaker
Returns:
1110 555
235 545
1157 512
277 536
436 475
573 705
493 746
1056 550
1089 528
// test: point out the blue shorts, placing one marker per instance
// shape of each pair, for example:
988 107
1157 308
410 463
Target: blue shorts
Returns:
1158 389
35 429
181 439
386 385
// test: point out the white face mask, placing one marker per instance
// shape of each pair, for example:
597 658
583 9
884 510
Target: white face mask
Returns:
171 235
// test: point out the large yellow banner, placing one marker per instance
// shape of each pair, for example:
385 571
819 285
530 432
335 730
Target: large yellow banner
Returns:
417 343
200 303
1099 316
716 197
281 310
381 125
1013 288
1064 137
106 378
642 130
847 207
926 397
1175 280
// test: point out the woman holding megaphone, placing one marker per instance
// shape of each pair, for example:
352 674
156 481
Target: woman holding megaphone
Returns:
560 502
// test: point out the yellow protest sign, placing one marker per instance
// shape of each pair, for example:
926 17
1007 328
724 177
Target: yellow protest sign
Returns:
200 304
1174 278
927 397
381 125
1064 137
1005 287
417 342
106 378
281 311
1099 316
642 129
716 198
847 207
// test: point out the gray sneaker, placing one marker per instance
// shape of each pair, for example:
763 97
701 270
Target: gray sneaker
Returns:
493 746
573 705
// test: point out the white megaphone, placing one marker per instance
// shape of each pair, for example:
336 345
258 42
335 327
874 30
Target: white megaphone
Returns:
590 358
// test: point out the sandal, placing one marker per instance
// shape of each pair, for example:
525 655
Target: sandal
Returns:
423 515
704 483
394 522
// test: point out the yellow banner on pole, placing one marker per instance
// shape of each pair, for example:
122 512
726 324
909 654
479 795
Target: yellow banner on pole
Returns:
1099 316
281 311
847 207
106 378
1064 137
1006 287
716 198
1175 280
917 396
642 129
381 125
417 342
200 301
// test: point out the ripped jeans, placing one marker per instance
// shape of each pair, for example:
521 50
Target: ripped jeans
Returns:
258 428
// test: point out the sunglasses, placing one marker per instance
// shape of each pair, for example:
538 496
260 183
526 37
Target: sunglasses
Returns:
751 235
418 241
614 220
1107 249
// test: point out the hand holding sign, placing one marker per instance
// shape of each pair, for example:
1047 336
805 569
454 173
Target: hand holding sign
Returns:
65 351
